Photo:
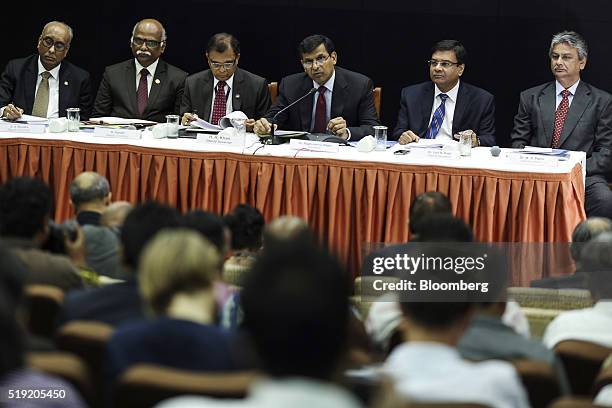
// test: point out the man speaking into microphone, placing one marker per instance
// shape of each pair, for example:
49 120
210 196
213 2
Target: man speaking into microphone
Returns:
343 104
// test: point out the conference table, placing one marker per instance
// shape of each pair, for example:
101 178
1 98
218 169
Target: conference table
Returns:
350 199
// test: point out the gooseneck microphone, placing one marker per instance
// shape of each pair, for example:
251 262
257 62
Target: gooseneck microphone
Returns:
274 140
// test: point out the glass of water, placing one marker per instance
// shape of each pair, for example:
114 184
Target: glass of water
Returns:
74 119
172 126
380 134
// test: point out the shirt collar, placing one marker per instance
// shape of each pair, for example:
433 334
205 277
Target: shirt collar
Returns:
229 82
559 88
54 72
452 94
151 68
329 84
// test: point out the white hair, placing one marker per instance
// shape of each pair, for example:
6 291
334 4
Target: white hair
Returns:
70 33
573 39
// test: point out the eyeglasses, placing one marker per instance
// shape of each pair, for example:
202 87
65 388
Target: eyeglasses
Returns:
137 41
443 63
319 60
225 65
48 42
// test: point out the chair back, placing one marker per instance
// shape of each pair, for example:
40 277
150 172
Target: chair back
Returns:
273 88
540 381
377 100
44 303
573 402
582 361
144 385
604 378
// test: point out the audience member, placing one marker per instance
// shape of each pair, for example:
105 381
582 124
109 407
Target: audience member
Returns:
114 215
246 224
425 204
284 228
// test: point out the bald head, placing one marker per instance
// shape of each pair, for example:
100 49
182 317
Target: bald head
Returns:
89 189
150 24
586 231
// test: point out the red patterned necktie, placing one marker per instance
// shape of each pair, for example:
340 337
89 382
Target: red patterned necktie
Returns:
143 91
220 104
320 125
560 116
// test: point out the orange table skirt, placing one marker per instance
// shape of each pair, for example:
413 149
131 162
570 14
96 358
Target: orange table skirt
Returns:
347 203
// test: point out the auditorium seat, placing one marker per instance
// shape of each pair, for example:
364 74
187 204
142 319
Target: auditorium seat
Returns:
582 361
573 402
539 380
603 378
143 385
43 303
273 88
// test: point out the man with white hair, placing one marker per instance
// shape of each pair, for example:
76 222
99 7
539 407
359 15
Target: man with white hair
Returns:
145 87
571 114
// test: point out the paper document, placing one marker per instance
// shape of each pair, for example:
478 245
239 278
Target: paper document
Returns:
545 151
32 119
289 133
202 124
111 120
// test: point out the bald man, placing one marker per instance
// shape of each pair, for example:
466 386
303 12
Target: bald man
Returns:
145 87
90 195
45 84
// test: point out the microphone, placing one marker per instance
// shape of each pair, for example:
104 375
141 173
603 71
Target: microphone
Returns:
274 140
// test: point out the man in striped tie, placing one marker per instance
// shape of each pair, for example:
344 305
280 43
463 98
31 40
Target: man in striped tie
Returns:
571 114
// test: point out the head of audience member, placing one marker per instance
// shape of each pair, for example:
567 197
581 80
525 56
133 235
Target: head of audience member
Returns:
25 204
296 310
442 322
447 64
318 57
176 272
584 232
596 258
568 56
284 228
148 41
54 43
444 228
115 213
210 226
141 224
89 191
222 54
12 342
428 203
246 224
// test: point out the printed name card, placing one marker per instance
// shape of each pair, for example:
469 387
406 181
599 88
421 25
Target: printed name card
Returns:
117 133
15 127
229 139
531 159
314 146
436 154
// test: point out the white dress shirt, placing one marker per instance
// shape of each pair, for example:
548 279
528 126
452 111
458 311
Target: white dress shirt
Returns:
446 130
151 68
53 107
560 88
229 87
435 372
593 324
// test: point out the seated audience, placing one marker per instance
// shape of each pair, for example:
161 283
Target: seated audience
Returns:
426 204
25 205
120 302
593 324
114 215
176 274
246 225
296 312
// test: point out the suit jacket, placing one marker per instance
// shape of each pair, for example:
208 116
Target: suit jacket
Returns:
18 86
117 92
249 94
352 98
588 126
475 109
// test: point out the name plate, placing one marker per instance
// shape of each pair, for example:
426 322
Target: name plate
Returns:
117 133
531 159
22 127
437 154
314 146
222 139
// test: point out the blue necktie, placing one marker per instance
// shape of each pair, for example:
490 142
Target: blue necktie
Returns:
437 119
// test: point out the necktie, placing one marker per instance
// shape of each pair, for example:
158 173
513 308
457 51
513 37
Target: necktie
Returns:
320 124
560 116
220 104
41 101
437 119
143 91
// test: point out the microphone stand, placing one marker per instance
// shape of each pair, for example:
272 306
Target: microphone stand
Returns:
274 139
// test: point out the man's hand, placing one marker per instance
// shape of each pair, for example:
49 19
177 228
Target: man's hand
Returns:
475 141
338 127
262 127
408 137
188 118
249 123
12 112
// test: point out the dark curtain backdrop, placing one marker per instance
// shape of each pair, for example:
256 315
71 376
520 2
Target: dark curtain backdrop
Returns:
388 40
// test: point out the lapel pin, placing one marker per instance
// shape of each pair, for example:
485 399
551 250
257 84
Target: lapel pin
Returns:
66 83
237 96
157 81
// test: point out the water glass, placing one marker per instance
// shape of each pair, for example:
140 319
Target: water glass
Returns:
74 119
172 126
380 134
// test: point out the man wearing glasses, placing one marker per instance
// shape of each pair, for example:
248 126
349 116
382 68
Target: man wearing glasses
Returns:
224 88
145 87
343 104
444 106
45 85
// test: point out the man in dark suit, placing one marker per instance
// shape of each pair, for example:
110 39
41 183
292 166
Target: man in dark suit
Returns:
571 114
242 90
145 88
444 106
45 85
343 104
